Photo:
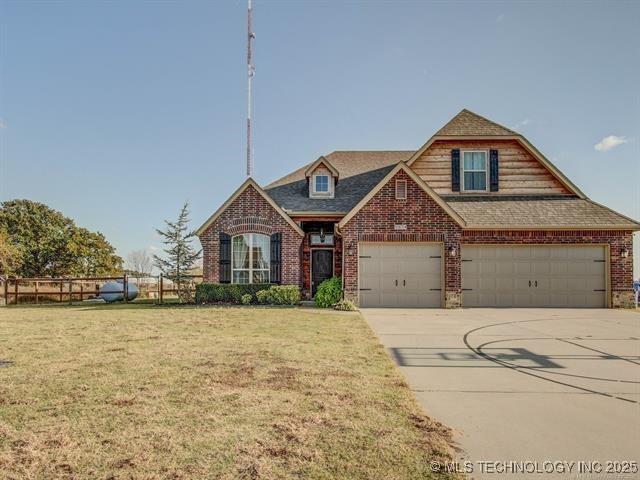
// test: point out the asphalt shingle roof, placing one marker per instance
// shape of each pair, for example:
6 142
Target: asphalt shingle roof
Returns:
361 171
350 163
535 212
294 196
469 123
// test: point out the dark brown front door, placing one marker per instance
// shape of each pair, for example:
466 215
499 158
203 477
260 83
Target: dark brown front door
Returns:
321 267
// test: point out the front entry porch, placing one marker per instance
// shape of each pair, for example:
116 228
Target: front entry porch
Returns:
321 254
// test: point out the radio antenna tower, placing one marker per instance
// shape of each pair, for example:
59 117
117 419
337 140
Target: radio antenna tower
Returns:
251 70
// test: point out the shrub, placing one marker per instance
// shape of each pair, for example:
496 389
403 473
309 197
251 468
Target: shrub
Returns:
236 293
262 296
283 295
226 292
329 293
346 306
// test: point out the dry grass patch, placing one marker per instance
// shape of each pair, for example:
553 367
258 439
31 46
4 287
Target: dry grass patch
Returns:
195 393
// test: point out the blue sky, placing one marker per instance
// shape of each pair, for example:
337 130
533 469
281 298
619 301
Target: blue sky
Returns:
117 112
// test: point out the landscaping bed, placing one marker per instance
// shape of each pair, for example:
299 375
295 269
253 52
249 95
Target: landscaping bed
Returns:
133 391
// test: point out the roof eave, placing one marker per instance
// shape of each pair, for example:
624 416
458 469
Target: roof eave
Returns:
502 227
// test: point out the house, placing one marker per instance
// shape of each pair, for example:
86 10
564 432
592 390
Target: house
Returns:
476 217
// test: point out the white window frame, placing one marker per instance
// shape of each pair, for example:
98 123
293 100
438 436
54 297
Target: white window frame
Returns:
329 192
403 182
315 183
250 268
486 171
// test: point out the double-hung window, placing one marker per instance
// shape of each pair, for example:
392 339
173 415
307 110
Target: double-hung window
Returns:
250 257
322 184
474 170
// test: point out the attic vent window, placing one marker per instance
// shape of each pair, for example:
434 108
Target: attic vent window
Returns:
401 189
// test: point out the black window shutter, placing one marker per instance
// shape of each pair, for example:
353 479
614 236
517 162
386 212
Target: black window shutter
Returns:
225 258
276 258
455 170
493 170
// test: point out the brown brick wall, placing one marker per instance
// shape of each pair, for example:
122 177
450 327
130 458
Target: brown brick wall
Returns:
426 221
250 212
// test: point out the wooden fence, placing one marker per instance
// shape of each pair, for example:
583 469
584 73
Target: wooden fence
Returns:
167 287
20 290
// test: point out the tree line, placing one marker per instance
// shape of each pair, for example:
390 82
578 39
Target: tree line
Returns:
38 241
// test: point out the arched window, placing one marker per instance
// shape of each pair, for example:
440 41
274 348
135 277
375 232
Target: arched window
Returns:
250 258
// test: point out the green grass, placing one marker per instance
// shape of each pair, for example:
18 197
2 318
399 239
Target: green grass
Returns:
143 392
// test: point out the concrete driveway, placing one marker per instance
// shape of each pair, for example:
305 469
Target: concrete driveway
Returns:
525 385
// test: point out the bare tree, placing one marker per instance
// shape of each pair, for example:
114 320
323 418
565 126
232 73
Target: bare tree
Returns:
139 264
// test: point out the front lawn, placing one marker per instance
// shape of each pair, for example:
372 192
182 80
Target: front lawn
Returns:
121 392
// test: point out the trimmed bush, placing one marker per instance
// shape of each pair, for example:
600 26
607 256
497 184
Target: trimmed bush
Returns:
346 306
227 292
329 293
262 296
283 295
256 292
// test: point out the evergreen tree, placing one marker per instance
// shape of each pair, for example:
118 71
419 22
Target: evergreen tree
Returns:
180 256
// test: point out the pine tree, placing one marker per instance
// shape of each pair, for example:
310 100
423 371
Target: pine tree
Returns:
180 256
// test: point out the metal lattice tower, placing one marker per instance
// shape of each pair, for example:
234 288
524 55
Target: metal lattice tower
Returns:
250 73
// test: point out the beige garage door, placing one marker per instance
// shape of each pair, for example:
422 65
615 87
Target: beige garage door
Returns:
533 276
400 274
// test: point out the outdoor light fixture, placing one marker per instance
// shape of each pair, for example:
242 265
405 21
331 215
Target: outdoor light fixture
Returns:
624 253
452 251
322 237
351 248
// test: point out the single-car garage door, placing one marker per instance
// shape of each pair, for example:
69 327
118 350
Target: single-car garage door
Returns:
400 274
533 276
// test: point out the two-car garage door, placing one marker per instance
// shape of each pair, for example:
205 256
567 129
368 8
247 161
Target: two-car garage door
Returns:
533 276
410 275
400 274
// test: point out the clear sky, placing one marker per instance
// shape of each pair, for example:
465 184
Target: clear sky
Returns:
117 112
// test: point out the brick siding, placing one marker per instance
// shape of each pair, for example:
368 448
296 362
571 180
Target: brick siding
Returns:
426 221
251 213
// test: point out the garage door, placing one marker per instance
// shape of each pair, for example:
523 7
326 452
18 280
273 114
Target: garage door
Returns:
533 276
400 274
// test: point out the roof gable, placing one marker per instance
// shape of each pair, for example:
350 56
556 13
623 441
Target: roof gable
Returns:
427 189
249 182
469 123
321 161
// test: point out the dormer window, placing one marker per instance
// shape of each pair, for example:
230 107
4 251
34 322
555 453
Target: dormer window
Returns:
322 178
321 183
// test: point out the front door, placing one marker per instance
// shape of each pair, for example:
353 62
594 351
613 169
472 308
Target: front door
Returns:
321 268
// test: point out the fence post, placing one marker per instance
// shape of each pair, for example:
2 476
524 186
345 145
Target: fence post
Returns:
6 291
37 292
60 291
125 287
16 291
70 292
160 291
